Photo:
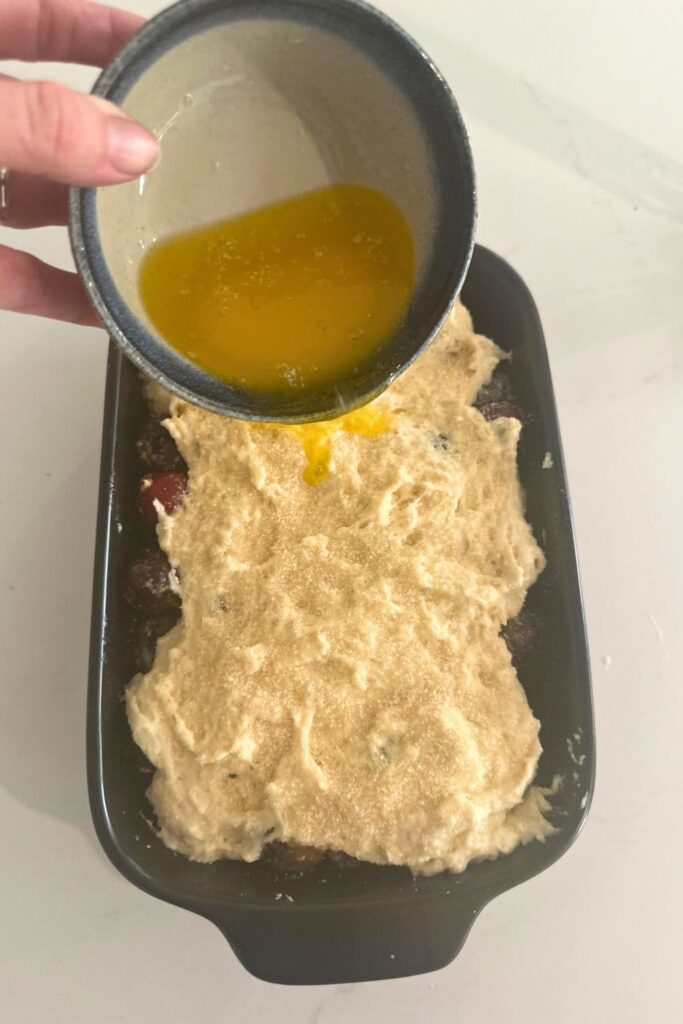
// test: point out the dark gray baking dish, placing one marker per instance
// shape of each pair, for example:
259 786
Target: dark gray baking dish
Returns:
355 922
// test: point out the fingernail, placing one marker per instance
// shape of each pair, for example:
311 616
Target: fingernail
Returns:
132 149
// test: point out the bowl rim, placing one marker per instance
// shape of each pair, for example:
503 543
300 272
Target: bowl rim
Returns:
159 360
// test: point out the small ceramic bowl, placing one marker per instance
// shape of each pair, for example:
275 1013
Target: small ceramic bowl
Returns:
255 101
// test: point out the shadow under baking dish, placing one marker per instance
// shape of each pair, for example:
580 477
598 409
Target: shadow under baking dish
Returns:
359 922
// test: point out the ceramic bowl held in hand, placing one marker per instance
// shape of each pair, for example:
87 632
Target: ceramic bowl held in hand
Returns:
255 101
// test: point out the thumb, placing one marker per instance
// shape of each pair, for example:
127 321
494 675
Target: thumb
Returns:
50 130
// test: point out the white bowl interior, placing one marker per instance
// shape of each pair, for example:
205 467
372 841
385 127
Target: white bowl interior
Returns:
257 110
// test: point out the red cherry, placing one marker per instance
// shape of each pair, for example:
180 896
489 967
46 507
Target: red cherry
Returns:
168 489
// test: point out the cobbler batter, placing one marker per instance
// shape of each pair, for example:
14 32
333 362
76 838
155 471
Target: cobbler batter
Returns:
338 678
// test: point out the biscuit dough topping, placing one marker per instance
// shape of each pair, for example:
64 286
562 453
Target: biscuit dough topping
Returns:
338 678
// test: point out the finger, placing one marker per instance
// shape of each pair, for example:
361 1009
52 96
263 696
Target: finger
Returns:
66 30
34 202
27 285
50 130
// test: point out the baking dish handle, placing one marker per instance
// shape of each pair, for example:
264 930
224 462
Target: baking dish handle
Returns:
329 945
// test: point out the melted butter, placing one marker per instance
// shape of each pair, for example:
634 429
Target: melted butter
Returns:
316 438
295 294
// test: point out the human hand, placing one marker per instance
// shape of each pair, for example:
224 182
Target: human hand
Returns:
52 137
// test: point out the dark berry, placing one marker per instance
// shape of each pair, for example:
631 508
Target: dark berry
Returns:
156 448
148 632
341 859
495 410
522 635
168 489
498 389
146 584
286 857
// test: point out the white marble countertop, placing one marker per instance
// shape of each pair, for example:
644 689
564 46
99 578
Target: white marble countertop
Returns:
575 122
